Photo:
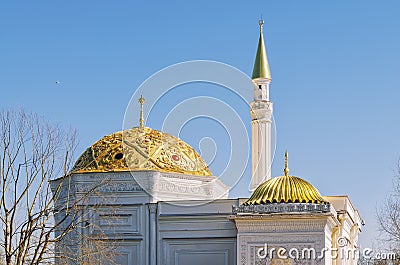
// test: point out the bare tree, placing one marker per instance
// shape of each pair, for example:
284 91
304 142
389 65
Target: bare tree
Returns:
389 219
33 152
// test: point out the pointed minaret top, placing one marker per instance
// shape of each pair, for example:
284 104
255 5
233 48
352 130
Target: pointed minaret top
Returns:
261 66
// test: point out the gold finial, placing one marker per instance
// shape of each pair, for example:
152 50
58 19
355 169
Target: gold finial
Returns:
286 170
141 102
261 23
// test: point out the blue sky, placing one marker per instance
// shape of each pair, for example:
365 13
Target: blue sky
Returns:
334 66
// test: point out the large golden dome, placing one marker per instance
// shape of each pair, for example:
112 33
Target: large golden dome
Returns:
141 148
285 189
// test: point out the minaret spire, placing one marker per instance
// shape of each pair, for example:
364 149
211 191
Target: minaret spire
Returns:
261 116
141 119
261 66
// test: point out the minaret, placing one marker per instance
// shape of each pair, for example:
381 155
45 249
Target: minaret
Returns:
261 116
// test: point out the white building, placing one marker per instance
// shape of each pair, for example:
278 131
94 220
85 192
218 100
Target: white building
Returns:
203 225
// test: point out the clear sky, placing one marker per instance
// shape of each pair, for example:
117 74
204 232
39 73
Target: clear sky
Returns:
335 69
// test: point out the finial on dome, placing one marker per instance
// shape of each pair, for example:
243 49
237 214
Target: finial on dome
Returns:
141 102
261 23
286 170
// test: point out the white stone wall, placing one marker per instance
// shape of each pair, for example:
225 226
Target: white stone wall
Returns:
301 232
197 234
335 231
142 229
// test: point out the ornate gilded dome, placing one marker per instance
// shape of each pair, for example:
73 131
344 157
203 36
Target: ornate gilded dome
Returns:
141 148
285 189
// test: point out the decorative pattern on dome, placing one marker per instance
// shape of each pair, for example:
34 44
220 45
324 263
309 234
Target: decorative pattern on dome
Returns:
285 189
141 148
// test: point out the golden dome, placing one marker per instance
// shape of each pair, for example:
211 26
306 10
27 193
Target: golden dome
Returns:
285 189
141 148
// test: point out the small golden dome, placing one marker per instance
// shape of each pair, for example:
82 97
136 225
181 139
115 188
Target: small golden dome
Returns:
285 189
141 148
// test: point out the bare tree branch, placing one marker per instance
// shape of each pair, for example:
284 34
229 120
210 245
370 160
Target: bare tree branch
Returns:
33 154
388 216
